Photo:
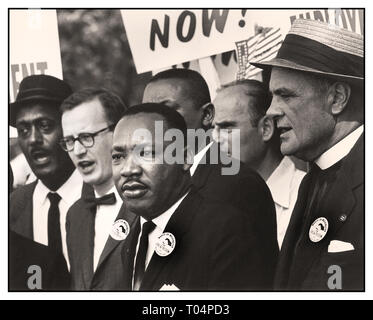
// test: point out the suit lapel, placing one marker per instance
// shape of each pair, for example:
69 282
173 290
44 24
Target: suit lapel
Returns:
24 224
202 172
178 225
87 235
128 252
339 201
111 244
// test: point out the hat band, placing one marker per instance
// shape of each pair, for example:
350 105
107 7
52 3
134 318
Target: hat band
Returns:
29 93
315 55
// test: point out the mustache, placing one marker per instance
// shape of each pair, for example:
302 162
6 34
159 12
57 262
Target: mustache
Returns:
39 150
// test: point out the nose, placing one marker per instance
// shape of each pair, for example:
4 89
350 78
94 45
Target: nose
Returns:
79 149
36 136
274 109
131 167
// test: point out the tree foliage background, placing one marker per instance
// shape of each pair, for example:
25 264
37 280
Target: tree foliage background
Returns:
95 52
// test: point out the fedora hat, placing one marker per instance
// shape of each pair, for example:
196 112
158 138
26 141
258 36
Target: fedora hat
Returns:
320 48
39 88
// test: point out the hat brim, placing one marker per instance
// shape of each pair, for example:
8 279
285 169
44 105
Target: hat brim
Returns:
14 106
283 63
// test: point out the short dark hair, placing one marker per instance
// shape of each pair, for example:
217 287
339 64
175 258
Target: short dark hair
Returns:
262 97
113 105
200 93
173 118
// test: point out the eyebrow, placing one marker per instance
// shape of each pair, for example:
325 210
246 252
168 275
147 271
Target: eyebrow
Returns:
117 149
28 122
282 90
225 124
123 149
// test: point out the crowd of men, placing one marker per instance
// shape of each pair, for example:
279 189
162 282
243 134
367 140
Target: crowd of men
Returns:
108 211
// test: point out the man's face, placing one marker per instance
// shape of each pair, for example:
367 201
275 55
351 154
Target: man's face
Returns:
232 107
302 113
147 188
93 163
39 132
176 94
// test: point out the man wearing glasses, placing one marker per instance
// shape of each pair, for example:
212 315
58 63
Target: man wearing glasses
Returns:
38 210
93 240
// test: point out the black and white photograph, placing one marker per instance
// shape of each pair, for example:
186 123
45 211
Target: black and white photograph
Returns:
203 150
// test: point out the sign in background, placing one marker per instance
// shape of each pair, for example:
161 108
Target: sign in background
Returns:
34 47
162 38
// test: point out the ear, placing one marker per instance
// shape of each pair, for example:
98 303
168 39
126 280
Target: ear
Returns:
188 158
208 114
266 127
339 95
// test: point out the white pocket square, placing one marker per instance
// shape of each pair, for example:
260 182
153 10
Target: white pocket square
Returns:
169 287
339 246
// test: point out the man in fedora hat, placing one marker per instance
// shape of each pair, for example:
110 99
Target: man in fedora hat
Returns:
38 210
317 83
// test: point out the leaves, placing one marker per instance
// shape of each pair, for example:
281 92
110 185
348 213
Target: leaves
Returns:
95 52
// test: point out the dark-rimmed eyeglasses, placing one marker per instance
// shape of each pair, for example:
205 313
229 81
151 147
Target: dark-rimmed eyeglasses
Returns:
87 140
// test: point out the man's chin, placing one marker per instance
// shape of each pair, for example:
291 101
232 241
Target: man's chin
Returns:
288 149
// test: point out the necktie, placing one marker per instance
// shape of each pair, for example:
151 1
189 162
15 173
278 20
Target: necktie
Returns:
319 186
105 200
54 230
147 228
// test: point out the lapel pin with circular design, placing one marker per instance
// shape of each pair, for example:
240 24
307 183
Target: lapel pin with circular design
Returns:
165 244
120 230
318 229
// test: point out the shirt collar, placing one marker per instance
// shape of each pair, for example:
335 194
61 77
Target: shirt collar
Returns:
198 157
69 192
339 150
162 220
279 182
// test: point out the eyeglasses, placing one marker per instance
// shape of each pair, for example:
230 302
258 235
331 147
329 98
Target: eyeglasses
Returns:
85 139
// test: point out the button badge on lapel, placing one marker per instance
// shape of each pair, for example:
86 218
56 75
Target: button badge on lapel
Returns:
318 229
120 230
165 244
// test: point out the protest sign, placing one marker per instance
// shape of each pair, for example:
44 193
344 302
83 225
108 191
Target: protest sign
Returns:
34 46
161 38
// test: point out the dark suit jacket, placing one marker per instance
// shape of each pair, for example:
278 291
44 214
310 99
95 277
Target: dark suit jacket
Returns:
214 250
20 210
21 214
248 192
345 198
24 253
80 233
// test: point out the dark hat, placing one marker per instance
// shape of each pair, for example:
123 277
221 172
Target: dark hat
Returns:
39 88
320 48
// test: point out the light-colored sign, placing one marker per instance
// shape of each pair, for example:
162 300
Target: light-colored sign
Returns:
34 46
162 38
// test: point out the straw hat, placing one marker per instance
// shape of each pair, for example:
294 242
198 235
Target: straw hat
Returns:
320 48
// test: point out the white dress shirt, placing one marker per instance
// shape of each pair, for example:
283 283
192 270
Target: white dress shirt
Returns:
70 192
284 184
160 224
339 150
198 157
105 218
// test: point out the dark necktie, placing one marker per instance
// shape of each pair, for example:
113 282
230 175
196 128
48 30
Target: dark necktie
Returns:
147 228
105 200
54 229
319 185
